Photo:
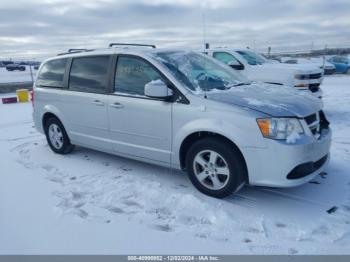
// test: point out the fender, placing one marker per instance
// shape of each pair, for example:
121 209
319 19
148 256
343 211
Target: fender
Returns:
238 135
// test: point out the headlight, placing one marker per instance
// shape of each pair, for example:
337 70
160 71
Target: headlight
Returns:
301 77
280 128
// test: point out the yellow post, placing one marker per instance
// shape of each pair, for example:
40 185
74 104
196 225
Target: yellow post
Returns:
22 95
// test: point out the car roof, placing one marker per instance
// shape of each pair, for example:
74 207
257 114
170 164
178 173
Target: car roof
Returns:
139 51
110 51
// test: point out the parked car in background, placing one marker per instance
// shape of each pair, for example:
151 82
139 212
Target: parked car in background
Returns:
306 78
182 110
328 68
36 65
6 62
341 64
15 67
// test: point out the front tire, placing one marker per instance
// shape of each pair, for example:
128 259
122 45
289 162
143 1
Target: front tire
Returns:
57 137
215 167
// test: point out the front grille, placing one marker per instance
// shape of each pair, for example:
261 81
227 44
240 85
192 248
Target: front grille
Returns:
324 123
317 123
314 87
310 119
315 76
329 71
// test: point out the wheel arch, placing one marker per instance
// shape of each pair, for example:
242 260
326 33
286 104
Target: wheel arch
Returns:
198 135
66 146
51 111
47 116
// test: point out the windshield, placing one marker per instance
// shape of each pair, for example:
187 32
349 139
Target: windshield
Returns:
252 58
199 72
343 60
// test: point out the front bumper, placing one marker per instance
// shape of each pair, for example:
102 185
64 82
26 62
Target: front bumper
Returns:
318 93
312 85
272 165
329 71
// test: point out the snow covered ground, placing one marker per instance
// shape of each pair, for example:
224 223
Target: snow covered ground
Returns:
16 76
94 203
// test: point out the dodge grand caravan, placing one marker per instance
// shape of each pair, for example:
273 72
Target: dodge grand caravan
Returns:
183 110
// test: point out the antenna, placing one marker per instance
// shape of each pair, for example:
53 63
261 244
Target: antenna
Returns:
204 27
324 55
205 44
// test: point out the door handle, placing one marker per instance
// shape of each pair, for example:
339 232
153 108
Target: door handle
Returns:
117 105
98 103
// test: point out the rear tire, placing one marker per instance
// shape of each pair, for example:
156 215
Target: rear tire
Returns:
215 167
57 137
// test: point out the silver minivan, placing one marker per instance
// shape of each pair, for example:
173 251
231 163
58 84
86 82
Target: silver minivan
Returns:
184 110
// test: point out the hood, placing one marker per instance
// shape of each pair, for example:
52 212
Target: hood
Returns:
317 62
329 65
299 68
274 100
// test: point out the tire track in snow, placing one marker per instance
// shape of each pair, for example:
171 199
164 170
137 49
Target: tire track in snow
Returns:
120 191
117 189
13 124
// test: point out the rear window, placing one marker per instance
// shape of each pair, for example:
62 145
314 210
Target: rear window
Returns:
52 73
89 74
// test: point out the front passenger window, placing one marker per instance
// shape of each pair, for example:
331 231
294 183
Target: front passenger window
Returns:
133 74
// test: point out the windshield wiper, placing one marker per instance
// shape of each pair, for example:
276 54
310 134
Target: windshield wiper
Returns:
240 84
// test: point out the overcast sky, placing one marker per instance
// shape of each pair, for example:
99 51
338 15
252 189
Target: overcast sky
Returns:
39 28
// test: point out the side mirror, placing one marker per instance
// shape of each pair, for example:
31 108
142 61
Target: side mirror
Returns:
158 89
236 66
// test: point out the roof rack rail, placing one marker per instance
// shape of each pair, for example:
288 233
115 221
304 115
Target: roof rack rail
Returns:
76 50
71 50
123 44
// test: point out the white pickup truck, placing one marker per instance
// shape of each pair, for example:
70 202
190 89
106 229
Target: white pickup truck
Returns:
256 68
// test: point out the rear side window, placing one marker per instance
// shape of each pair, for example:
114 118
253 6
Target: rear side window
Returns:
52 73
89 74
133 74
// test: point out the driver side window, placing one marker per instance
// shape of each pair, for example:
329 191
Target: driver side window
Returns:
132 74
226 58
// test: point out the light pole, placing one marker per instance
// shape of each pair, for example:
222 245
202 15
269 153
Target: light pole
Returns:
31 74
